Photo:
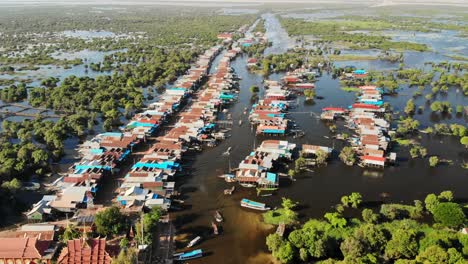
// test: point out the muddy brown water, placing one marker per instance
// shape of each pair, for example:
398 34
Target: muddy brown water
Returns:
242 239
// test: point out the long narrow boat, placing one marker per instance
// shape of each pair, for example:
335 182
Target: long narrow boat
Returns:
215 228
229 191
218 217
197 253
254 205
194 241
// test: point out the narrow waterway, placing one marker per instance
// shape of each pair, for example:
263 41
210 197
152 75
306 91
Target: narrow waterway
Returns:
242 239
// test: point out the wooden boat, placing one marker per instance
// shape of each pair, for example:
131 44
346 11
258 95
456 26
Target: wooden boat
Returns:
227 177
240 122
229 191
194 241
248 185
218 217
215 228
227 152
254 205
198 253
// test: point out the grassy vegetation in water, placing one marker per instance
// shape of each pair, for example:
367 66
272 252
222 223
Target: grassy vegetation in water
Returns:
337 31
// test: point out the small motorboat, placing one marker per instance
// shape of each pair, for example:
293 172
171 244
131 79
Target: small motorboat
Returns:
228 177
218 217
240 122
254 205
194 241
198 253
215 228
229 191
227 152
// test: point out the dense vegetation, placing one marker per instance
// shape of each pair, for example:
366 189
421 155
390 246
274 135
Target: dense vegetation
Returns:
338 31
108 94
395 234
153 25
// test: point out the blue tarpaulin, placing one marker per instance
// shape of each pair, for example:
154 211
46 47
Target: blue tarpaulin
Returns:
272 177
162 165
360 72
273 131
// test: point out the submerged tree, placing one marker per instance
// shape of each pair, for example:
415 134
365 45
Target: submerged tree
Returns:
348 155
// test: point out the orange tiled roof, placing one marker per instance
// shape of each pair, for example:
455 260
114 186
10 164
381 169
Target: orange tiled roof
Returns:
80 251
21 248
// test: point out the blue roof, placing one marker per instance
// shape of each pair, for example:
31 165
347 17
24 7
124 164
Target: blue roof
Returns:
97 151
140 124
272 177
177 89
378 103
124 155
161 165
112 134
85 167
273 131
360 72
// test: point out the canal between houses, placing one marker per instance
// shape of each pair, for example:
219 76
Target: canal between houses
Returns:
242 239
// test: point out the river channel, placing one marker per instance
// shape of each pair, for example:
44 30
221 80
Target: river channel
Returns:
242 239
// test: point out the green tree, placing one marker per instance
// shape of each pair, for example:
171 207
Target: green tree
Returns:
369 216
446 196
126 256
464 141
410 107
124 243
433 161
355 199
254 89
321 157
352 248
273 242
449 214
70 232
12 185
373 237
309 94
303 254
288 203
431 201
285 253
433 254
348 155
300 164
402 245
110 222
455 257
336 220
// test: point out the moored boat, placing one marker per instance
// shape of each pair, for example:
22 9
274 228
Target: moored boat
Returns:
215 228
218 217
198 253
229 191
227 177
227 152
194 241
254 205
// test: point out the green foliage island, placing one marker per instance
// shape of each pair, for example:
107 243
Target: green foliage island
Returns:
397 233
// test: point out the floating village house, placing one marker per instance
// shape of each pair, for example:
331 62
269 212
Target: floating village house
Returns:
255 169
150 180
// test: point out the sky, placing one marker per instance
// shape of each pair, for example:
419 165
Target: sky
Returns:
146 2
